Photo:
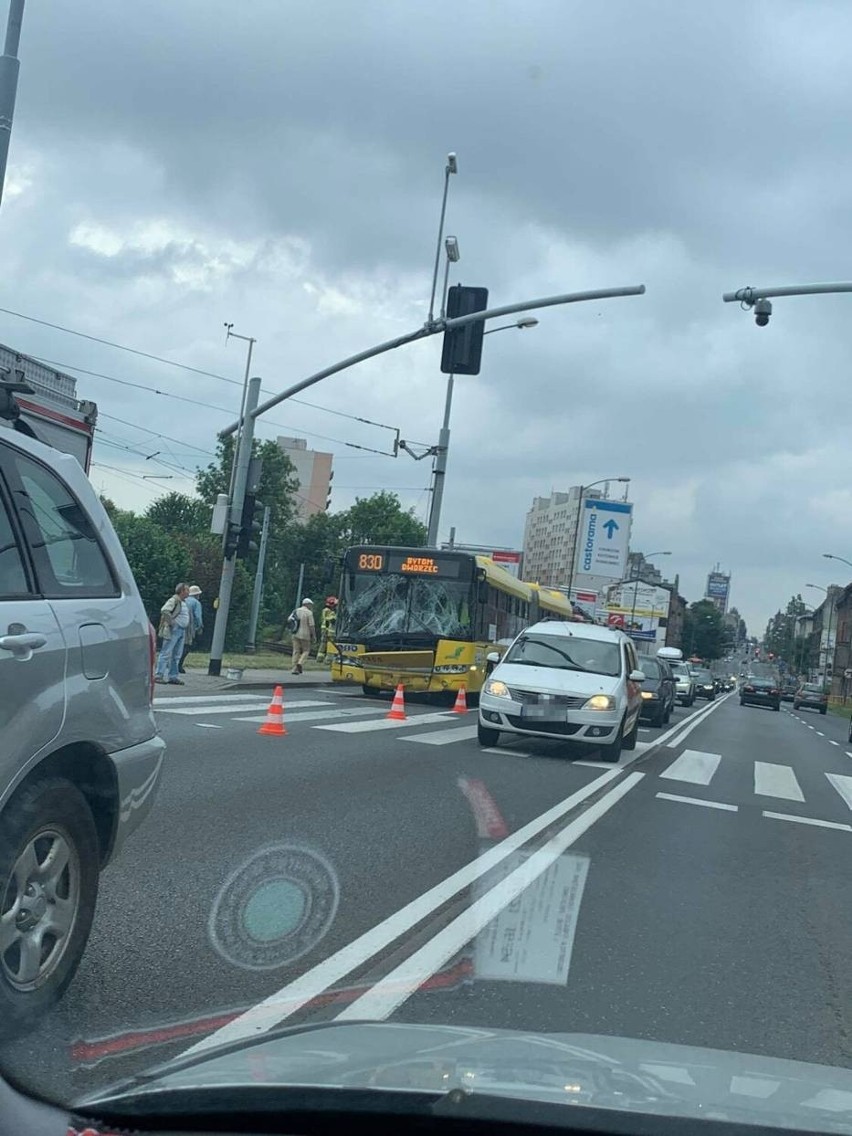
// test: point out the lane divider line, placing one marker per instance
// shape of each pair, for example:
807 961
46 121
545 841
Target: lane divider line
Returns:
290 998
809 820
682 730
396 987
697 801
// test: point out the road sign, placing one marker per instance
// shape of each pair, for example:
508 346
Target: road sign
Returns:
604 539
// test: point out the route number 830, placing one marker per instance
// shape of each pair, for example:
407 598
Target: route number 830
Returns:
371 561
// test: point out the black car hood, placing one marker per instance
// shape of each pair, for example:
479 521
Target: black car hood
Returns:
618 1073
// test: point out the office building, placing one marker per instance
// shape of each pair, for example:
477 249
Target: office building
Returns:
550 536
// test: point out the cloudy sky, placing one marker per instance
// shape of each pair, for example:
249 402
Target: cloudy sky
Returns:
176 164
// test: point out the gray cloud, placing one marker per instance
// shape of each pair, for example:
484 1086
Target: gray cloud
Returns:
175 166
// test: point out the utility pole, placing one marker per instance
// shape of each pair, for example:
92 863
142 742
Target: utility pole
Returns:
257 595
9 67
229 563
229 334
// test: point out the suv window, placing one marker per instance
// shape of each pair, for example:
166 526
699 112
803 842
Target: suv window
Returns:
69 558
13 578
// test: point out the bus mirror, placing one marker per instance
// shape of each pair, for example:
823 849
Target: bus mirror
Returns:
483 591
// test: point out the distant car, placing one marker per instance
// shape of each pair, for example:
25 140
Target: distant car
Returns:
658 690
80 757
573 681
705 686
684 683
811 696
761 690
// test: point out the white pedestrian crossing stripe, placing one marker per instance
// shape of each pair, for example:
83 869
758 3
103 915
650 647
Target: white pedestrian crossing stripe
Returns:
843 785
390 724
776 781
241 708
315 715
693 766
443 737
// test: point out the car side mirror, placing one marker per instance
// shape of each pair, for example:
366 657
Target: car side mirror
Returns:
493 657
637 676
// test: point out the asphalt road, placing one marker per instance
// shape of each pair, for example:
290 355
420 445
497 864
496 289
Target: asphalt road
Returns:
697 893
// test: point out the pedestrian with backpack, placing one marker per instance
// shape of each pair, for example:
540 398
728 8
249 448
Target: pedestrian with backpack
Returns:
174 620
301 624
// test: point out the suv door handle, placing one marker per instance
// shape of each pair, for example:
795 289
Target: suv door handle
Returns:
25 643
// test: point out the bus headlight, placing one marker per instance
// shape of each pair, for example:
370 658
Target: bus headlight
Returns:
497 688
600 702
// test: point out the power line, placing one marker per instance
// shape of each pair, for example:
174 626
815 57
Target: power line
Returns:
206 405
181 366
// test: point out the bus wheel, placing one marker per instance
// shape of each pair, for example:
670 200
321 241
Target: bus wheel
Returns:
487 736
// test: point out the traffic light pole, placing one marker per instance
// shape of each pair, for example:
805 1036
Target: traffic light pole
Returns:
440 471
258 584
229 563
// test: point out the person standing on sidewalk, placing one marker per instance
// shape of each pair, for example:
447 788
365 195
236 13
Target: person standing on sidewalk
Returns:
174 620
304 635
196 623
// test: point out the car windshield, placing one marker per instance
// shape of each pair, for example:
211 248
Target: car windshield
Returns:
565 652
383 385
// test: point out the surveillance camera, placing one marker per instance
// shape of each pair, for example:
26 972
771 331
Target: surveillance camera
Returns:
762 312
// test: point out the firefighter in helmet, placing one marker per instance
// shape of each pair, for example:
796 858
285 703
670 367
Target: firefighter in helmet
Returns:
328 622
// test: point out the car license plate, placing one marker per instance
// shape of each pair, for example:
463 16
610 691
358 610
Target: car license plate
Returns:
543 713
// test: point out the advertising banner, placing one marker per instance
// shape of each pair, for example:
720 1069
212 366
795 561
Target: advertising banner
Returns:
604 539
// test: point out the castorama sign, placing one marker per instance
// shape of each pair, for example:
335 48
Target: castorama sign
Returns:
604 539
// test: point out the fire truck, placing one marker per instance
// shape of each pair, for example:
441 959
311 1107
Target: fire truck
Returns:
42 402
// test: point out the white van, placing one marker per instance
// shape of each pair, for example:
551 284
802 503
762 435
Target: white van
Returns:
565 680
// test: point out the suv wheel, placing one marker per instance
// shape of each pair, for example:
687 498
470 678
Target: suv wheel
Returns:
49 861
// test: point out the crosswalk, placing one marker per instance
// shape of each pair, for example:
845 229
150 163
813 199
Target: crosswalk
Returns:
338 714
767 779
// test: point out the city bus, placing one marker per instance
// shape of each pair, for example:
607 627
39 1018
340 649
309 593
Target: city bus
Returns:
428 619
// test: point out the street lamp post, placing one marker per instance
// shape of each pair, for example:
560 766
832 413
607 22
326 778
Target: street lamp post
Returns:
440 469
842 559
583 488
450 168
9 67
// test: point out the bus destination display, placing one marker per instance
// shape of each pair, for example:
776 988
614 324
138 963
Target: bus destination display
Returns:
417 565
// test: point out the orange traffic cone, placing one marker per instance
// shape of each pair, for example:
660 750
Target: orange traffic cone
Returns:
397 710
461 702
274 723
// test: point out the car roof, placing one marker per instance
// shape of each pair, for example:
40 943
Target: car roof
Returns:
578 630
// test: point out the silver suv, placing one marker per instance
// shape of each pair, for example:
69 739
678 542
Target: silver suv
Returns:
80 758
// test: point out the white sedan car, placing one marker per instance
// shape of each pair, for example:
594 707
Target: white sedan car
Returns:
565 680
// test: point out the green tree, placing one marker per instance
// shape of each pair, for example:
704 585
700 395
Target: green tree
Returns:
180 514
703 631
157 561
780 639
381 519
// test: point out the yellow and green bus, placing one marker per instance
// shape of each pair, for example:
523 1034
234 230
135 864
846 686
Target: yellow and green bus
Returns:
428 619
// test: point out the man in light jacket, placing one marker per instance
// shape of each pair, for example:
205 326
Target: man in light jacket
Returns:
174 620
304 635
196 624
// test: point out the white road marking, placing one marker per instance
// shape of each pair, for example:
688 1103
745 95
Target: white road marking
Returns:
843 785
317 715
186 699
289 999
392 724
821 734
810 727
506 750
776 781
848 754
208 726
697 801
753 1086
809 820
693 766
831 741
443 737
388 994
197 711
683 730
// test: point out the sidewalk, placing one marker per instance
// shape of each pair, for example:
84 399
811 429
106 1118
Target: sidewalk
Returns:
254 678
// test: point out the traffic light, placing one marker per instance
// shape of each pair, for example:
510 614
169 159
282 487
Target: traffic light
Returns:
249 527
462 352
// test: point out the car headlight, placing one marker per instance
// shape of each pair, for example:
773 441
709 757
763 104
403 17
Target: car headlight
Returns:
600 702
650 694
497 688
